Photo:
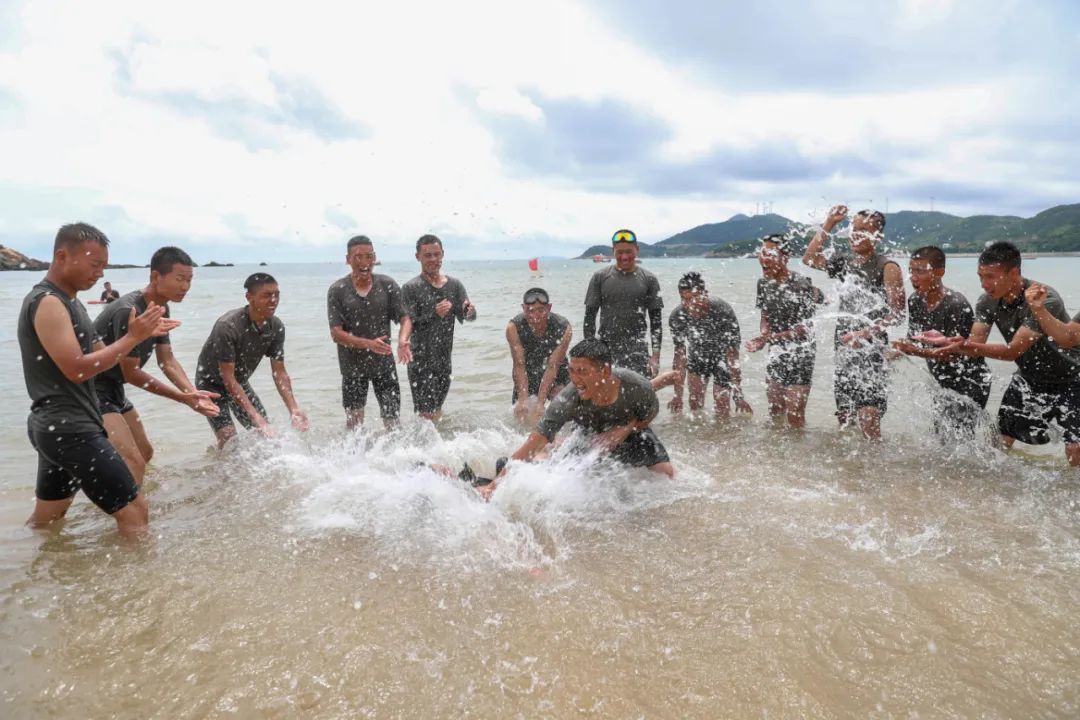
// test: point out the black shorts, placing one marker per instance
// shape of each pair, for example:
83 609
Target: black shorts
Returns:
227 407
430 384
861 379
111 396
641 448
354 391
1028 408
790 365
707 369
68 462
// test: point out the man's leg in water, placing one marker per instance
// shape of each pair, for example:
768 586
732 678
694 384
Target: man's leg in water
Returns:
664 468
120 436
696 386
870 422
353 397
138 432
388 395
795 397
777 397
721 394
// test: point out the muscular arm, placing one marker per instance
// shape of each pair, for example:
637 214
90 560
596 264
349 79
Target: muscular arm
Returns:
529 449
1020 344
172 368
517 355
236 392
815 252
679 366
556 359
52 323
137 377
894 294
343 337
1064 334
283 383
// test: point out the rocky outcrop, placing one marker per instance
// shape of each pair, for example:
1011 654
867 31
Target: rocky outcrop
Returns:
14 260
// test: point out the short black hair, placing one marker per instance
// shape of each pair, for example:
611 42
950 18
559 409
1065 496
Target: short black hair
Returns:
781 241
358 240
931 254
692 281
164 258
428 240
1000 253
592 349
875 216
76 233
256 279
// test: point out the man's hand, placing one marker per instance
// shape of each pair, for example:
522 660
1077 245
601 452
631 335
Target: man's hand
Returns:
404 353
857 338
958 346
654 364
152 323
469 309
675 404
536 414
837 214
443 308
1035 296
265 429
378 345
756 344
202 402
300 420
935 338
906 346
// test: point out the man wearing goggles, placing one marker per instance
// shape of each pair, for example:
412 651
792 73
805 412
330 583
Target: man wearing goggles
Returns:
624 295
538 341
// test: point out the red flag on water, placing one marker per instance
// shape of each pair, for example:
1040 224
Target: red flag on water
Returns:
534 264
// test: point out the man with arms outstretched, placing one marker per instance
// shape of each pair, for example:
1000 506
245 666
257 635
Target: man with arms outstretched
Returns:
171 272
60 357
237 344
1046 386
872 300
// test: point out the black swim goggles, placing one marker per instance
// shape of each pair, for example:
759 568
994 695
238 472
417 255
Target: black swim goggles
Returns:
536 295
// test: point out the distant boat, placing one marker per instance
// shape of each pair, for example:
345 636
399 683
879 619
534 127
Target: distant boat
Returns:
534 264
601 258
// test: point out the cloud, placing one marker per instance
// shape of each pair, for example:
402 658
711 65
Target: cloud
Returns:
239 95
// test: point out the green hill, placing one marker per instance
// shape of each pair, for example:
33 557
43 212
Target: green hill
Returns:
1054 230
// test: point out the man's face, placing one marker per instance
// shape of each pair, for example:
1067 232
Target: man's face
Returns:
536 313
924 277
83 264
361 259
625 255
997 280
430 257
263 299
588 376
174 284
864 235
695 301
771 258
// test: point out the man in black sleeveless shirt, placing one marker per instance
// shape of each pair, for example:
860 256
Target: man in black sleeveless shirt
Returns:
538 340
60 357
871 300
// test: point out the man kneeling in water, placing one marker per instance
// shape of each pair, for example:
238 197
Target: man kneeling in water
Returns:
613 405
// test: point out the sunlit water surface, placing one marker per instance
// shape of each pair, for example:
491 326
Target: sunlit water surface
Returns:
325 575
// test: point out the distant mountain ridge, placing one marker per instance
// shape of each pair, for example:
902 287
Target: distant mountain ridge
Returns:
1056 229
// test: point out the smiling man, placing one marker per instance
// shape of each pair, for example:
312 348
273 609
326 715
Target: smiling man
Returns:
1046 386
360 308
171 273
538 340
625 295
61 356
613 406
239 341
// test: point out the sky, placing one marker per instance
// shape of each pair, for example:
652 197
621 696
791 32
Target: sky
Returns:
244 131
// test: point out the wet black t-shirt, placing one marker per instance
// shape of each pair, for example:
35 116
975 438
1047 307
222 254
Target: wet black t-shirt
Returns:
433 336
1045 362
538 348
236 339
623 300
788 304
863 299
366 316
707 339
952 316
56 403
112 324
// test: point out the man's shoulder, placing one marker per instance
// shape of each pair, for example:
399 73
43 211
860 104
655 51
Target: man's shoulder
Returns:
604 272
415 283
385 280
632 380
955 298
341 283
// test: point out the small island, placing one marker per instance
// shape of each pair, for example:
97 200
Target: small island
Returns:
11 259
215 263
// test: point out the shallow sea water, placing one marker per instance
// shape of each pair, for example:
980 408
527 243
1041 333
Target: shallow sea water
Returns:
323 575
